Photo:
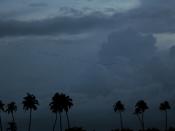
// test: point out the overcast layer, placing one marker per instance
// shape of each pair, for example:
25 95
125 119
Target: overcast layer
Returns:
96 51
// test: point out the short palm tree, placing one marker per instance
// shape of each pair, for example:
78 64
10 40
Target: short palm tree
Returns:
30 103
11 108
140 108
164 106
1 110
56 106
66 107
118 106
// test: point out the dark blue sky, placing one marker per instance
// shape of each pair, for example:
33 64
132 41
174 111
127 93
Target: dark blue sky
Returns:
96 51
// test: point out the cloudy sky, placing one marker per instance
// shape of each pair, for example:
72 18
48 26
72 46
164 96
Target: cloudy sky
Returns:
96 51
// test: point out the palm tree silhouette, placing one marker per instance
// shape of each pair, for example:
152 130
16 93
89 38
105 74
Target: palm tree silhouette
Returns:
30 103
56 106
140 108
1 110
164 106
67 104
12 126
118 106
75 129
137 112
11 108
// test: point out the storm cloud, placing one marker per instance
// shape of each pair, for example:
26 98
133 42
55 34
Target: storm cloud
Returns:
94 58
150 17
63 25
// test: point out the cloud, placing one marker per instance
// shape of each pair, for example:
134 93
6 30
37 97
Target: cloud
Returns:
122 58
149 17
38 5
67 11
130 63
152 16
128 44
60 25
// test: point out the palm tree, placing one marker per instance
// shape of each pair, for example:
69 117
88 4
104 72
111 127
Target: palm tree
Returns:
12 126
30 103
66 107
1 110
140 108
118 106
137 112
56 106
75 129
11 108
164 106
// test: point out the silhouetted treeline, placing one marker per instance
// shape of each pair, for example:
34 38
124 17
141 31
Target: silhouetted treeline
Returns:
62 103
148 129
140 108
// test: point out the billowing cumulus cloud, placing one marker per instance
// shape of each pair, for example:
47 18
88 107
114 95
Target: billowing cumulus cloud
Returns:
128 44
121 59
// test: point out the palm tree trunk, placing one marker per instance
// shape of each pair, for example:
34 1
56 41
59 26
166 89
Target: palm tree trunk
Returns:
68 122
1 123
60 122
121 121
54 125
30 118
139 120
13 117
143 124
166 120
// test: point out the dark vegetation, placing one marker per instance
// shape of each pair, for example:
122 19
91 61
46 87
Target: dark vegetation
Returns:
61 103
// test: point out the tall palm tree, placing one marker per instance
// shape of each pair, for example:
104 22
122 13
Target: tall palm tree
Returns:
164 106
56 106
67 104
12 126
140 108
118 106
1 110
11 108
137 112
30 103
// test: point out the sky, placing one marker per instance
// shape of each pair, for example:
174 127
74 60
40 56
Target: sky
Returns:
95 51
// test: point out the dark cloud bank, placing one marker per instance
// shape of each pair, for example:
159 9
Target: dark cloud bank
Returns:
153 17
127 66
